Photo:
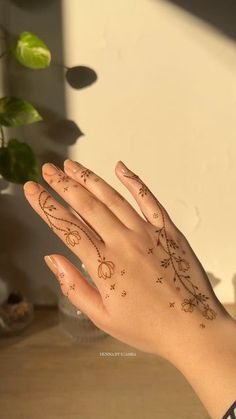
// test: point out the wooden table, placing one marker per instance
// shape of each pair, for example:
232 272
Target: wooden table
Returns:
45 375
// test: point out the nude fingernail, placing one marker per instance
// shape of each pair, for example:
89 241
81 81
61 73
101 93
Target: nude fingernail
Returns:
51 263
31 188
72 166
50 169
124 168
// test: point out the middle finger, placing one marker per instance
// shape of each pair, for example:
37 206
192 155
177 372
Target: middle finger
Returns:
93 211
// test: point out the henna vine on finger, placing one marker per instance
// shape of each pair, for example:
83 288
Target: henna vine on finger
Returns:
85 174
72 233
178 264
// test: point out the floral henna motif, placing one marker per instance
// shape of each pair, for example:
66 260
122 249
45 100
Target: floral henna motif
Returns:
85 174
178 264
105 268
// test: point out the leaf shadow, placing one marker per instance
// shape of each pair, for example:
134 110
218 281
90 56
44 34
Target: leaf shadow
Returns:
80 76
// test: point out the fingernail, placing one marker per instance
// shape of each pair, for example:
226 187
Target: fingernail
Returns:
71 166
31 187
50 169
51 263
124 168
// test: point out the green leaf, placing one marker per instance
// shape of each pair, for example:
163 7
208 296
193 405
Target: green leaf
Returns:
31 51
15 112
18 162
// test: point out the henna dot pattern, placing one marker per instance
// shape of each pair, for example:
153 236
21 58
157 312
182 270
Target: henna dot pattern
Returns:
172 304
159 280
124 293
155 215
112 286
177 264
122 272
150 250
202 325
72 233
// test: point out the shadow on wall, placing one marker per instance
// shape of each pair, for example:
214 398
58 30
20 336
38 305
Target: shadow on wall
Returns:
25 239
220 14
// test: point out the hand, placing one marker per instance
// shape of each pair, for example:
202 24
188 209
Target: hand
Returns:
151 290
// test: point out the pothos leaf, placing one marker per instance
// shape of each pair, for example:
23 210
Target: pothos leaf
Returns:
31 51
15 112
18 162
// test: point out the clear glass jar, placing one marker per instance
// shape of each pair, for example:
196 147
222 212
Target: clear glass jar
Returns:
75 323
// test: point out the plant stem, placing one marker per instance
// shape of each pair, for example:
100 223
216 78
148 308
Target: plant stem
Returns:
2 139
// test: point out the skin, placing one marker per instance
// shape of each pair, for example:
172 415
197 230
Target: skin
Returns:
144 271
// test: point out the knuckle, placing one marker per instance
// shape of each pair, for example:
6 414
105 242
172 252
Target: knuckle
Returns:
115 200
89 204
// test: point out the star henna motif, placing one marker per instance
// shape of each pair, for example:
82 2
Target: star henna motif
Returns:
172 304
159 280
72 287
124 293
112 287
150 250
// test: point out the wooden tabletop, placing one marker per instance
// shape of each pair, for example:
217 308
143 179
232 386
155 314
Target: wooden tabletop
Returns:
44 374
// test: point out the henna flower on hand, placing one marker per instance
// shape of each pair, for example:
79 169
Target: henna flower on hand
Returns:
183 265
188 305
72 237
105 268
209 313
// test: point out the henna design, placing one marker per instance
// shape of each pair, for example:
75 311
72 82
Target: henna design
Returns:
124 293
202 325
61 275
155 215
105 268
72 287
63 178
150 250
66 189
172 304
85 174
159 280
96 179
178 264
112 287
122 272
107 296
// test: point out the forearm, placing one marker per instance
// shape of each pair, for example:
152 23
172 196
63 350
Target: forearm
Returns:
209 365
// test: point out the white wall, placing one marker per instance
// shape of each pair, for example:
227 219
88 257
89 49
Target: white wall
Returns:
165 104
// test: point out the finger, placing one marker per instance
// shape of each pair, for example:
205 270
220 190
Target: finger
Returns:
83 202
74 233
104 193
80 293
151 208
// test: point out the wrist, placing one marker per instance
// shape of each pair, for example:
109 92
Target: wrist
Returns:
209 365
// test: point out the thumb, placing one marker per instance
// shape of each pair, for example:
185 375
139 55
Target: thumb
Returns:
79 292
